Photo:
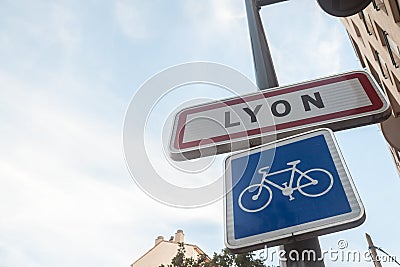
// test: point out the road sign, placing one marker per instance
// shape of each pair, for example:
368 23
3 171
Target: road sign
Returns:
337 102
292 189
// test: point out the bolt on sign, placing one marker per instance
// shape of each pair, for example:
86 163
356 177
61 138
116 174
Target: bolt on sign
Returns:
337 102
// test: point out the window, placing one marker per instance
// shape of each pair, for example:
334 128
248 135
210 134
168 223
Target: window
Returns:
395 7
394 103
398 159
374 74
370 24
375 5
357 30
396 82
368 27
358 33
379 5
380 64
380 34
357 50
396 155
392 48
387 73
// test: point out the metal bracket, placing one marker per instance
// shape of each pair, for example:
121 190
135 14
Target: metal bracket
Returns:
268 2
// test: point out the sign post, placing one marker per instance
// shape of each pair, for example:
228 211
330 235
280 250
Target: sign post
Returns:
257 33
265 75
258 38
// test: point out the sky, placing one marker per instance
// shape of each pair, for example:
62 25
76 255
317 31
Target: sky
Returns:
68 72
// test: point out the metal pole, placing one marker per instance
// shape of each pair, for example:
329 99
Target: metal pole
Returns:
263 65
266 78
372 249
305 253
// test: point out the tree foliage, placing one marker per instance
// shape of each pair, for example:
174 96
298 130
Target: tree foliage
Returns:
223 259
180 259
228 259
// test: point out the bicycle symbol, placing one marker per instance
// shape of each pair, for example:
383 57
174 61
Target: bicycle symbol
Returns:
305 182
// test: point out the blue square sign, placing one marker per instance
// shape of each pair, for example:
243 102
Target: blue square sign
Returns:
296 186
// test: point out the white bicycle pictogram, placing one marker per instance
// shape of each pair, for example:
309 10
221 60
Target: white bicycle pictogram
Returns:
304 181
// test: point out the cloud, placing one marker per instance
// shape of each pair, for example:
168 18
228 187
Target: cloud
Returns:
65 27
220 15
44 24
66 193
209 19
136 18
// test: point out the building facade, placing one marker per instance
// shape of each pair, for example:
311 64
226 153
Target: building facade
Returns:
164 251
375 35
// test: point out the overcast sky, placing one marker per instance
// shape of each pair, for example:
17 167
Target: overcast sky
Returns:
67 74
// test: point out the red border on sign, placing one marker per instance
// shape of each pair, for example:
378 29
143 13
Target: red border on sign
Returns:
365 82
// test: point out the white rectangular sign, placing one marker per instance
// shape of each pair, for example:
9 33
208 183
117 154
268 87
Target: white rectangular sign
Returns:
337 102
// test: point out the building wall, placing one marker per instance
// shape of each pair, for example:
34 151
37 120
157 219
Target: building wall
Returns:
163 254
375 34
164 251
